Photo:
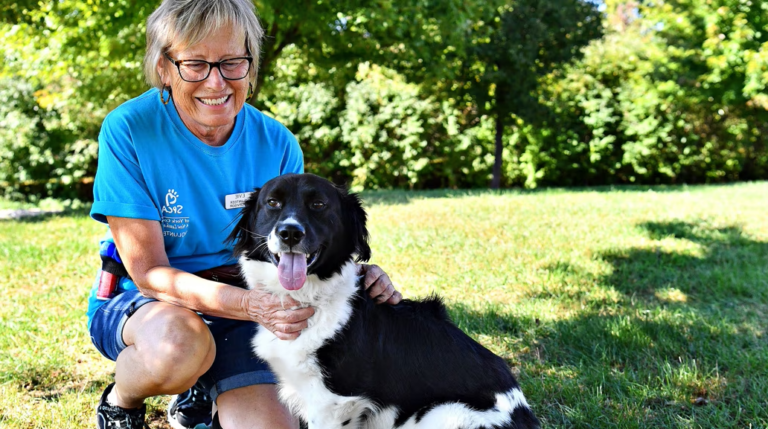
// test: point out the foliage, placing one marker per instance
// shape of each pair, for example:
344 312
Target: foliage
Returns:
511 46
722 49
493 62
35 144
383 133
422 93
635 110
722 42
336 36
70 62
82 59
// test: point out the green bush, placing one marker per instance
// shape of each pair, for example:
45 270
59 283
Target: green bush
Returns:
624 114
379 132
39 155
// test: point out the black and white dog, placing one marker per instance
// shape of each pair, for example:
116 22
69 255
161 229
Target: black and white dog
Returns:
359 364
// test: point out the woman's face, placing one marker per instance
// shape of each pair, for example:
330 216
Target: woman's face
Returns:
209 107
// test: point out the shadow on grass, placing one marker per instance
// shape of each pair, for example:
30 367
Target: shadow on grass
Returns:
679 305
683 342
629 369
731 266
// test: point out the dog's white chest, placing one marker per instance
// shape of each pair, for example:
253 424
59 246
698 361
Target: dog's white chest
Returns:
295 367
293 362
301 383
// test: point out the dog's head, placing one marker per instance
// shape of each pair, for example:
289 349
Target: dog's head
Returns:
304 225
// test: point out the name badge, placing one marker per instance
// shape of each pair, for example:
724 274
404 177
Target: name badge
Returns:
236 201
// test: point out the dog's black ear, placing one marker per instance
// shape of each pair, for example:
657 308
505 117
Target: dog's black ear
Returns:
356 218
241 234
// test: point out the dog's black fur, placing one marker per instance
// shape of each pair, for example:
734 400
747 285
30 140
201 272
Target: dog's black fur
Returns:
410 355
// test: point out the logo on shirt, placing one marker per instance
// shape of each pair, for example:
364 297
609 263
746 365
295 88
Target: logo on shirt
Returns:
170 203
174 225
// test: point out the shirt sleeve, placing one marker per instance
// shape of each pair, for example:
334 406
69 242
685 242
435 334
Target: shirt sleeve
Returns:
293 158
120 188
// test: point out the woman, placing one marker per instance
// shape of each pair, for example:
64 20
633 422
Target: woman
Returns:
171 163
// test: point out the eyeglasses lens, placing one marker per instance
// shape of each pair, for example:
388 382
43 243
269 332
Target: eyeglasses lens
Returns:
194 71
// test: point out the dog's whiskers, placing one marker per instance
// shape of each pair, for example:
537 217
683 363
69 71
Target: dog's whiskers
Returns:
261 247
254 234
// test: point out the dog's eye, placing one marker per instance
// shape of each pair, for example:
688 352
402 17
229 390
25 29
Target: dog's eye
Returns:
274 203
317 205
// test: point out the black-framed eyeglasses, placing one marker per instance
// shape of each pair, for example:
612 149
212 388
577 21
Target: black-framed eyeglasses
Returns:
199 70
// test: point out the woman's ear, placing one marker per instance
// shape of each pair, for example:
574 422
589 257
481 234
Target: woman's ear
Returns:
161 70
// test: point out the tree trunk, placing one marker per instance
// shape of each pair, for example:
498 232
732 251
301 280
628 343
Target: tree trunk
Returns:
496 181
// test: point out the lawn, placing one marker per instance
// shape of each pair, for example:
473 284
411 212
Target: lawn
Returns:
617 308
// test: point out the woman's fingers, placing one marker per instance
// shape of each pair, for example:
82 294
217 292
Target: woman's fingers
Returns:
379 285
283 317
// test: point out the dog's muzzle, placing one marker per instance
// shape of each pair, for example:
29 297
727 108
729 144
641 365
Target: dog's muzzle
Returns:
291 256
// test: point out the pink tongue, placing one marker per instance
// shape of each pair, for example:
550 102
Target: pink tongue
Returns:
292 270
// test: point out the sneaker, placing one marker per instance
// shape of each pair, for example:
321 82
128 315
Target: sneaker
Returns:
113 417
191 409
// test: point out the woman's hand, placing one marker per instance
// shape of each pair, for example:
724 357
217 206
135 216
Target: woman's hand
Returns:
378 285
284 318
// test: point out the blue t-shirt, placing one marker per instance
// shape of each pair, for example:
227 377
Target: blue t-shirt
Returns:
152 167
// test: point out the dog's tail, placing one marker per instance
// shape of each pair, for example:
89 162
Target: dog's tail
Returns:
520 413
511 411
523 418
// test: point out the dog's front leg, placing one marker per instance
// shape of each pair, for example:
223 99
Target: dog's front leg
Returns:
339 413
323 419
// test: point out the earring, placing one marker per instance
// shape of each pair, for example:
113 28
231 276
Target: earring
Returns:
250 90
169 94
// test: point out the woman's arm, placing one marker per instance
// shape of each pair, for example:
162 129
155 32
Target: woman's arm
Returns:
140 243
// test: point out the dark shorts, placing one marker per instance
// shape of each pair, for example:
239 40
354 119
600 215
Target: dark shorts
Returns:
235 364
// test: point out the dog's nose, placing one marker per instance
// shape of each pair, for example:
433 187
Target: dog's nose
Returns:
291 234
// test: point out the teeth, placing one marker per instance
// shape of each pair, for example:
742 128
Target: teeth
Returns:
213 101
306 255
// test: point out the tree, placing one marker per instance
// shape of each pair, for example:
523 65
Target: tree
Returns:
512 46
487 54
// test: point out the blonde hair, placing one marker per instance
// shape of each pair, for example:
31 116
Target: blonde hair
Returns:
187 22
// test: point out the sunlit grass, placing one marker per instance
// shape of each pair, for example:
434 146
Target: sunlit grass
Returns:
618 308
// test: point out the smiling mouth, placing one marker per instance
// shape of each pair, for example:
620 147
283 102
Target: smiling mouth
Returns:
292 268
214 101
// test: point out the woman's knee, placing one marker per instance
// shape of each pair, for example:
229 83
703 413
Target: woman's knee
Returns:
175 342
255 406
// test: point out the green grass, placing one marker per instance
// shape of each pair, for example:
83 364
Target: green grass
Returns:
617 308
